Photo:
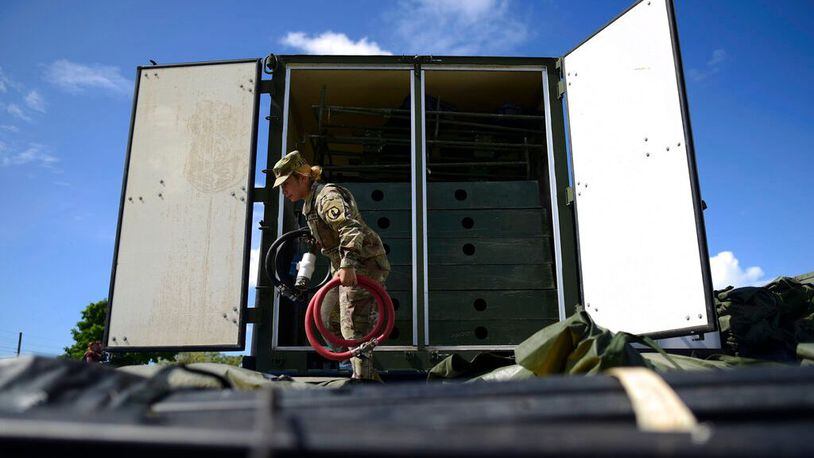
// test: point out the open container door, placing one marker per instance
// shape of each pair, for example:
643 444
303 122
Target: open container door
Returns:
642 245
181 262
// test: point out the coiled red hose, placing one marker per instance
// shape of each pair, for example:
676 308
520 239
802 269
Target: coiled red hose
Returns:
380 332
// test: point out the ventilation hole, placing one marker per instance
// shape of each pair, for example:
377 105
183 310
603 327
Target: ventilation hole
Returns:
377 195
480 305
395 304
386 248
460 194
469 249
467 223
481 333
383 222
395 333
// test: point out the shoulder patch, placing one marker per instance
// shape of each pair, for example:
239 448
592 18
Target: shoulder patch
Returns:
334 210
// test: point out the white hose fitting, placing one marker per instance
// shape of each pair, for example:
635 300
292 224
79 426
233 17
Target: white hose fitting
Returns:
305 268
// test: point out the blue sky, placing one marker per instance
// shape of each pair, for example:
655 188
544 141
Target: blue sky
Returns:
66 77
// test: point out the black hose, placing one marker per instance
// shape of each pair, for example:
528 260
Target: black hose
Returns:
284 283
271 254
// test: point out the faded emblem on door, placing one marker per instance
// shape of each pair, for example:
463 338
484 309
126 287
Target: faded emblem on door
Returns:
217 146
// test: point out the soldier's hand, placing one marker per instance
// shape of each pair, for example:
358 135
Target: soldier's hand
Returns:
347 276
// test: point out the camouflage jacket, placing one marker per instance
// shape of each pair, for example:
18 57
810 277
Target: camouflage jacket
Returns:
338 227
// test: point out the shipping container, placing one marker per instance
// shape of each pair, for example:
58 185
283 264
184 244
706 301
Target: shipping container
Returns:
509 191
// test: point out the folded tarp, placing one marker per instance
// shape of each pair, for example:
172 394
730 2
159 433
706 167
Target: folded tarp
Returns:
31 383
766 322
214 375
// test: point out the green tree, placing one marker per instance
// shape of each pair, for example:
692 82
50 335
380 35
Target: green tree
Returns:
206 357
92 327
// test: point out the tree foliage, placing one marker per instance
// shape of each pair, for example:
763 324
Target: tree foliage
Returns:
207 357
92 327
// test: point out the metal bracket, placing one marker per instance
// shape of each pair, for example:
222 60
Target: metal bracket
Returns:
266 87
561 82
569 196
260 195
252 315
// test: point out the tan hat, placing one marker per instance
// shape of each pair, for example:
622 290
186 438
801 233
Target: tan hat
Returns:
291 163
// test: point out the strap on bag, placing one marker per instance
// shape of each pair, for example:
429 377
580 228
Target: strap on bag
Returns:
656 406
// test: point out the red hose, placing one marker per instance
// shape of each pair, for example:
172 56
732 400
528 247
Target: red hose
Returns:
380 332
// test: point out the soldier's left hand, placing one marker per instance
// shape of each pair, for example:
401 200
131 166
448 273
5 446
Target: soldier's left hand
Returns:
347 276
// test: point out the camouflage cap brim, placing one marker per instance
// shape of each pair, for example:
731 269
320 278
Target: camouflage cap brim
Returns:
280 180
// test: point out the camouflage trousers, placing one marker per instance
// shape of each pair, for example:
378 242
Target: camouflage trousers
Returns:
351 311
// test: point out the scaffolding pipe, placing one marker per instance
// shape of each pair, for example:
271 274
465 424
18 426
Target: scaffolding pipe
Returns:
390 111
351 140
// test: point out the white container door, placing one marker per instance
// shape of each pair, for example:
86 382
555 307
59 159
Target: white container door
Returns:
181 263
642 245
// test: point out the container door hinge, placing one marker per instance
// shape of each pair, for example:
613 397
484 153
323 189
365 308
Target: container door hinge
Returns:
266 87
561 82
261 194
569 196
252 315
560 88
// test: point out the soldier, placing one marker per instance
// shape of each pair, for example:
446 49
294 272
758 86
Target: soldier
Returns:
352 247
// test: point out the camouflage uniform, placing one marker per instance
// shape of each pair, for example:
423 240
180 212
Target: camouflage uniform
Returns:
335 222
347 241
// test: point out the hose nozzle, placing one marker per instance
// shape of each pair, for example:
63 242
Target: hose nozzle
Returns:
305 268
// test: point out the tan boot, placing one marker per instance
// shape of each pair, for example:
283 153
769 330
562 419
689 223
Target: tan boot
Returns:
363 368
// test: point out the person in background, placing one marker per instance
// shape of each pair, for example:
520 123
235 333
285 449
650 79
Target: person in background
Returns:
94 353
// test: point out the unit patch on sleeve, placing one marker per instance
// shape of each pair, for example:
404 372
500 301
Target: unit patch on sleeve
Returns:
335 211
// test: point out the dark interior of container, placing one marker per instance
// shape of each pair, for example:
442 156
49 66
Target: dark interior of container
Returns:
490 268
488 227
356 124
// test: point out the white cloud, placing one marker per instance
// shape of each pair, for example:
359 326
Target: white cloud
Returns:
17 112
35 101
74 77
332 43
726 271
6 82
471 10
713 66
9 128
718 57
459 27
33 154
254 259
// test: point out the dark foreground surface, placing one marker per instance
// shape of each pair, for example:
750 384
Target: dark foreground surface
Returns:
59 408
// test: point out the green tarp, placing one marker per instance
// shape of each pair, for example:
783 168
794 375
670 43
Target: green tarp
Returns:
215 375
773 324
576 346
766 322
